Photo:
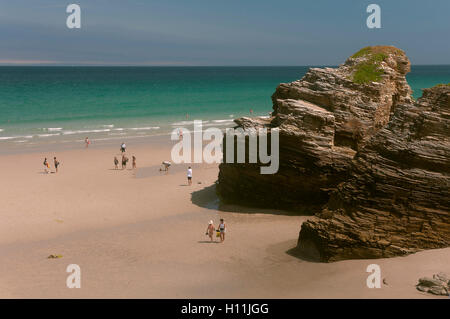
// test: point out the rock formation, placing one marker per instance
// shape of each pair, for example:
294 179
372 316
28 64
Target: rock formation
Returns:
324 119
357 151
438 285
397 199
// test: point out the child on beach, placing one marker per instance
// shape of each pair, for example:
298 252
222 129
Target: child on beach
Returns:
116 163
222 229
124 161
56 162
189 176
134 162
210 230
46 166
87 142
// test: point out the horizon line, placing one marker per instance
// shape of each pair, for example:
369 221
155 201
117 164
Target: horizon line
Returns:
184 66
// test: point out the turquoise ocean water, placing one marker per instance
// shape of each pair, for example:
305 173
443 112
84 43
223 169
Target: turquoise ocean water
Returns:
39 104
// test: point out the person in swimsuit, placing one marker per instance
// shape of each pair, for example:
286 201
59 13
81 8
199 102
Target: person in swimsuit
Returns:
123 148
124 161
56 164
116 162
210 230
87 142
222 229
46 166
134 162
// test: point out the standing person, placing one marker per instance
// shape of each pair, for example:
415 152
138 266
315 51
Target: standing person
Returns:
116 162
134 162
87 142
46 166
123 148
222 229
124 161
189 176
210 230
56 164
180 134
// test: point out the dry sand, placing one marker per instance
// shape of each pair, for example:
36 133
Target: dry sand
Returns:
141 234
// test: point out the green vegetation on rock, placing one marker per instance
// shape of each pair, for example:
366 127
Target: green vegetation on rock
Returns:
369 70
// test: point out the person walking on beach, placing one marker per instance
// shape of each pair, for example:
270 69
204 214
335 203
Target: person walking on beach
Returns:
56 162
46 166
116 163
87 141
124 161
189 176
123 148
222 229
210 230
134 162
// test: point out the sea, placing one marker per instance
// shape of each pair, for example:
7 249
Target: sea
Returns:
41 105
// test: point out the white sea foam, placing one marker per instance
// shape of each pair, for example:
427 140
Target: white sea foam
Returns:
223 121
85 131
108 125
54 129
116 134
4 138
185 123
48 135
119 129
144 128
1 130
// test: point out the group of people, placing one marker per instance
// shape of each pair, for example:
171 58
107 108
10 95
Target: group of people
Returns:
124 162
47 165
125 159
220 231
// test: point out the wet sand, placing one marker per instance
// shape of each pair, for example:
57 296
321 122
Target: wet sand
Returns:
141 234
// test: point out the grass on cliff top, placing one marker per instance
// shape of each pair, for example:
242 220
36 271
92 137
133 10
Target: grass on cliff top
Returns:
369 70
378 50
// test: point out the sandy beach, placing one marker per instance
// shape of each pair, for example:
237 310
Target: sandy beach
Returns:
141 234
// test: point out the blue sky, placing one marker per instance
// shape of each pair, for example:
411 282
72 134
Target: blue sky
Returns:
211 32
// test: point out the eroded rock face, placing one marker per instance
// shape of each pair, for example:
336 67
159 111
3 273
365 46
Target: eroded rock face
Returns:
397 199
323 119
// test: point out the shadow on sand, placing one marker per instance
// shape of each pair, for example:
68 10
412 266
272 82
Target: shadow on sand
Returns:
207 198
295 252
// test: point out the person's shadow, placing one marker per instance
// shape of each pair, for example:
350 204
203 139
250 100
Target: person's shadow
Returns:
208 242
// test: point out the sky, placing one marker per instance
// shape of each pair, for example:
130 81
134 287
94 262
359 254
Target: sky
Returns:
214 32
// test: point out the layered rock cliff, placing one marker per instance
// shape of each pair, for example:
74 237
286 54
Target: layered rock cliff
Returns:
358 152
397 199
323 119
